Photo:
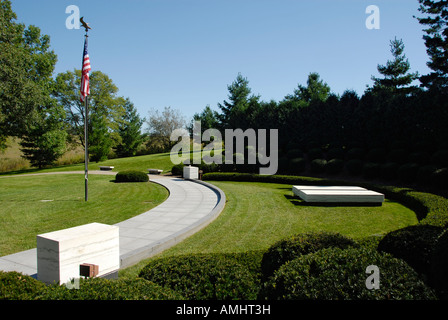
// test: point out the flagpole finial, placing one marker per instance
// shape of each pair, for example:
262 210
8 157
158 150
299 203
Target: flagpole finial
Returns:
84 24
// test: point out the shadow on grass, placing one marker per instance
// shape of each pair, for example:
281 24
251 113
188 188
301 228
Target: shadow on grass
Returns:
298 202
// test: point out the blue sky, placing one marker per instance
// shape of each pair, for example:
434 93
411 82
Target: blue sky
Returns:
184 53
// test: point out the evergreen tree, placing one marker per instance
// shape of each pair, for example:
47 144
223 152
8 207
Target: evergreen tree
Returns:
45 140
234 110
315 91
129 130
396 72
436 41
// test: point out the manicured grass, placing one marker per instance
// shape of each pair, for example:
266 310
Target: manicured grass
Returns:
24 211
259 214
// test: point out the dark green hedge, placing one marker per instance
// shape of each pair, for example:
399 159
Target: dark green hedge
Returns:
439 265
16 286
207 276
340 274
414 244
131 176
300 244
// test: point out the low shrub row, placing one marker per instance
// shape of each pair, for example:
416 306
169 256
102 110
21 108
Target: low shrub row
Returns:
306 266
16 286
131 176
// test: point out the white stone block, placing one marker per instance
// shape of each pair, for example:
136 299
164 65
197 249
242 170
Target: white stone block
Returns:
296 189
191 172
60 253
337 194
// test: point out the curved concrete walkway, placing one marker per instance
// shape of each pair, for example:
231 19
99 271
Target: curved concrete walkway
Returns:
191 205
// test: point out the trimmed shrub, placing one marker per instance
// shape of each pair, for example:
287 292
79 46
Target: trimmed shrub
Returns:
356 153
315 153
204 276
408 172
16 286
105 289
376 155
421 158
335 166
425 173
318 165
297 165
354 167
131 176
295 246
413 244
340 274
178 169
439 263
440 178
371 170
295 153
389 170
440 158
399 156
336 153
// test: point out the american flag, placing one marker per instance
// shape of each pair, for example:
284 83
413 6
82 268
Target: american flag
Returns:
85 88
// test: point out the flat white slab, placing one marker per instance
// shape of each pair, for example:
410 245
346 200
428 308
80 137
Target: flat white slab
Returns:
337 194
296 189
60 253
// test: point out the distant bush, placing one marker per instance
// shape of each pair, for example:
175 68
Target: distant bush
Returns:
371 170
177 170
408 172
318 165
355 166
315 153
295 153
336 153
439 178
356 153
440 158
205 276
425 173
131 176
296 165
439 265
399 156
335 166
413 244
389 170
376 155
288 249
421 158
340 274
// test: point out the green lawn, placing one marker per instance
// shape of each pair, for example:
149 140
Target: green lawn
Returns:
25 210
258 214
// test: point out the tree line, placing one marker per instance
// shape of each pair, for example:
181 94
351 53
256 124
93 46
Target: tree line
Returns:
401 107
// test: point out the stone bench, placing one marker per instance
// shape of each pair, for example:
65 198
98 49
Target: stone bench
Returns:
336 194
61 253
106 168
155 171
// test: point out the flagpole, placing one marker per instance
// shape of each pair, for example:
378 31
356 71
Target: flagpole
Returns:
86 139
86 116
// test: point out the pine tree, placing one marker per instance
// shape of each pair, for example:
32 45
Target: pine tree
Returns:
396 77
129 130
436 41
